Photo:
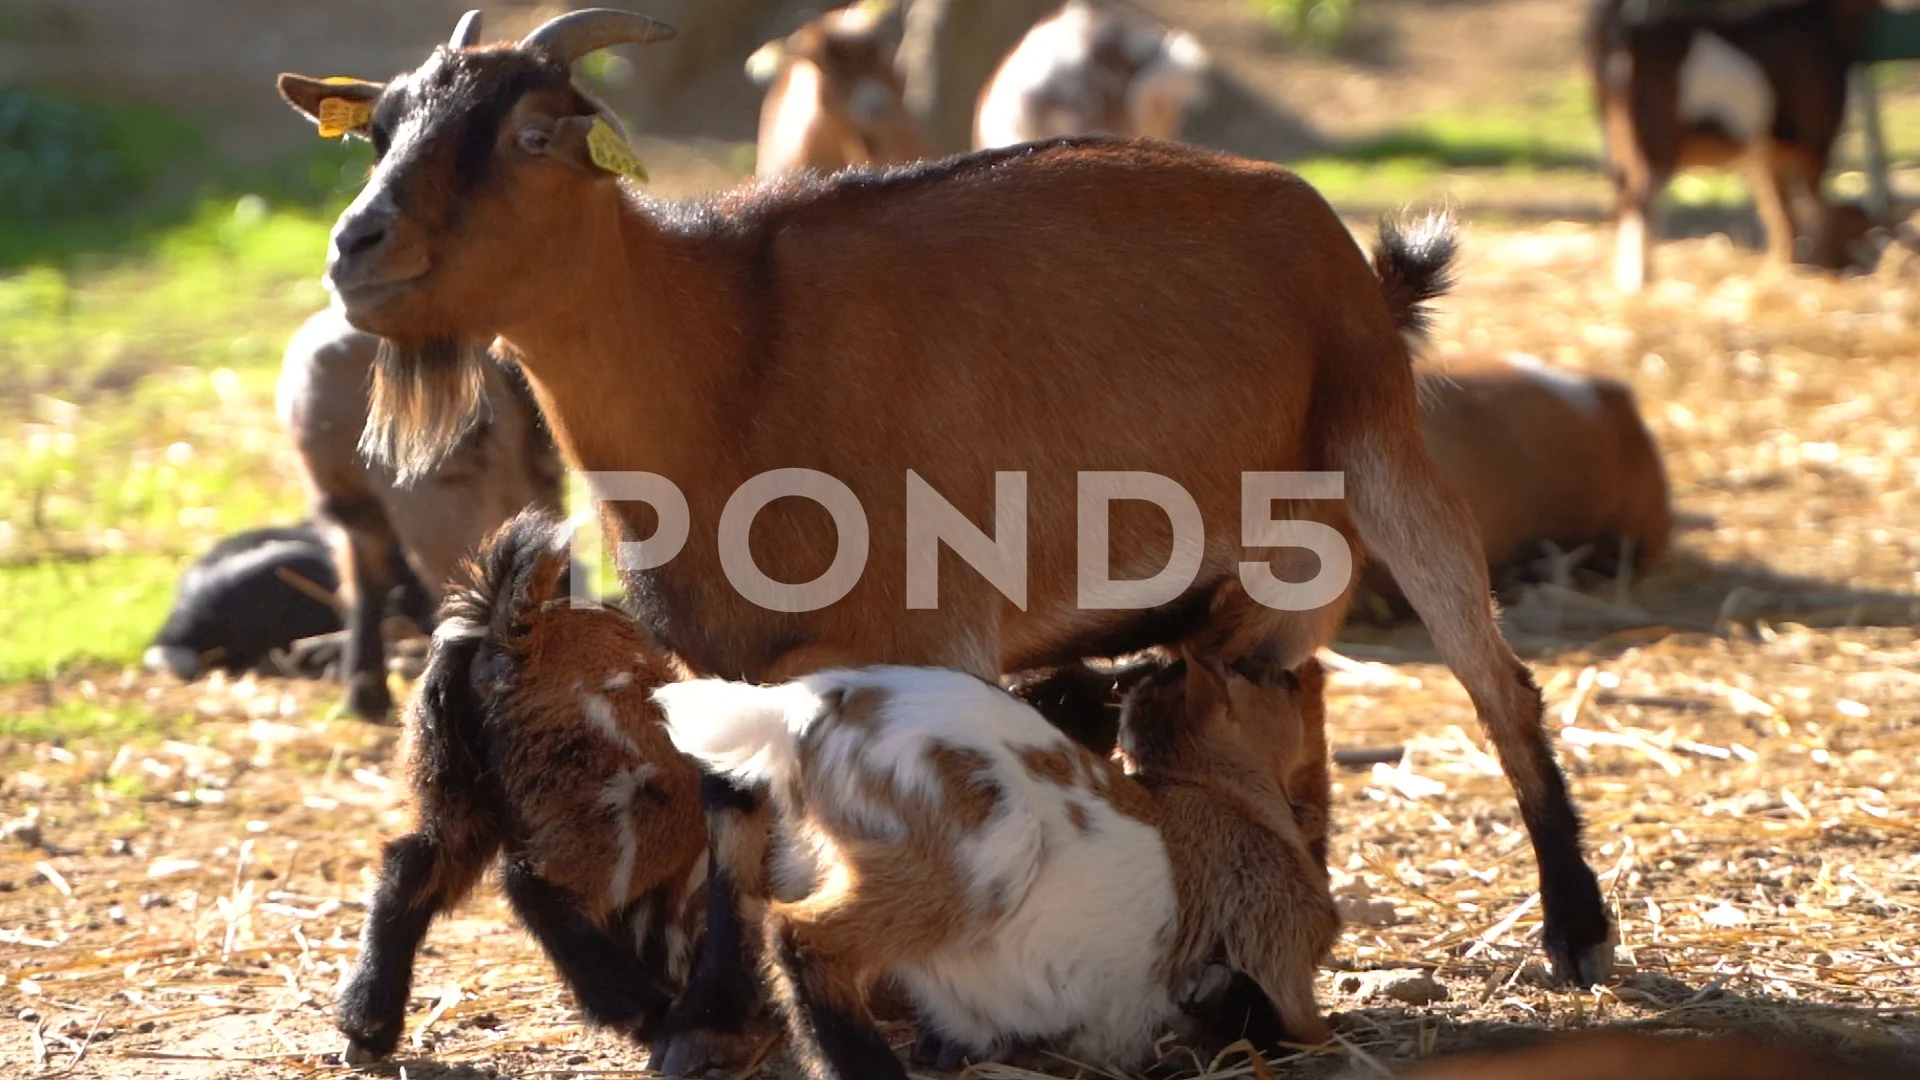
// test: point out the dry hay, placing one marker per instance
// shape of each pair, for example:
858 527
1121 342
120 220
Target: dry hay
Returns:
190 907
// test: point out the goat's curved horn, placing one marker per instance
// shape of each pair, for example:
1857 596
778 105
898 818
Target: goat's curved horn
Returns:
577 33
466 32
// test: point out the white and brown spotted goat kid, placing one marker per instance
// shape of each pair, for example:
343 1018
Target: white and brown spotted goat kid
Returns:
532 736
933 829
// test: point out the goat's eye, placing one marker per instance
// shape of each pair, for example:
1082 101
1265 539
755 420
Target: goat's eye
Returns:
534 140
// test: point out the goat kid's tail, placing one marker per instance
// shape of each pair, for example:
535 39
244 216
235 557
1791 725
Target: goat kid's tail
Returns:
1415 265
749 733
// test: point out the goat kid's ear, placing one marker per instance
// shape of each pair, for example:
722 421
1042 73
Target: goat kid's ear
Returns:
337 105
1207 693
592 146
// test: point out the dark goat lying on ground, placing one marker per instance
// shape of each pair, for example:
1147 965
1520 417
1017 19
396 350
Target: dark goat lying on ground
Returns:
255 593
531 737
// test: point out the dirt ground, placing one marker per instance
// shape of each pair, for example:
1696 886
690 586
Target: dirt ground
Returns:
1737 726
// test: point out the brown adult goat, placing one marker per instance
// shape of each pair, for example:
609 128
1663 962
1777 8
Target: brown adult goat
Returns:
932 325
388 535
833 98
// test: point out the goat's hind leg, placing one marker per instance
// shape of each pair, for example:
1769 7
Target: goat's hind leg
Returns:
419 878
606 975
820 997
1424 532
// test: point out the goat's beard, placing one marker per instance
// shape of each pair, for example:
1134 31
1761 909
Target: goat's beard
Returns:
424 399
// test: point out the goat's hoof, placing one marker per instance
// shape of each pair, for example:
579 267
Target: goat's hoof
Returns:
1583 967
682 1053
359 1053
1580 944
368 698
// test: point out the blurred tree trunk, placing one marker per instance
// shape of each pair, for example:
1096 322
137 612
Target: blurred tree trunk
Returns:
949 50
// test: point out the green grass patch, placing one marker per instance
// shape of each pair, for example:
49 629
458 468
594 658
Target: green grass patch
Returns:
1557 129
60 614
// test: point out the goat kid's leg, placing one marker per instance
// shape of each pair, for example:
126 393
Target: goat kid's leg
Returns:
613 987
721 990
1422 529
819 996
1310 788
1276 939
419 878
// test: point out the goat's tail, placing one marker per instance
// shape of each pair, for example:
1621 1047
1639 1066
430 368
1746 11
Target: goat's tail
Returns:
746 732
1415 265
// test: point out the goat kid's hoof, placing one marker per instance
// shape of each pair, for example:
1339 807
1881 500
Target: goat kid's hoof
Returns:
359 1053
684 1053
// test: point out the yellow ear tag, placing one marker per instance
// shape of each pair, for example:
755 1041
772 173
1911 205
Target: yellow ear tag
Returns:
341 115
611 152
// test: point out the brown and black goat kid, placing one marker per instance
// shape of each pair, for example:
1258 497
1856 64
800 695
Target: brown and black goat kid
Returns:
1060 310
394 540
532 739
935 830
1681 84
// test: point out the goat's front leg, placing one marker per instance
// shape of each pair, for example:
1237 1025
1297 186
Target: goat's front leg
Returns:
721 990
613 987
828 1028
373 568
419 878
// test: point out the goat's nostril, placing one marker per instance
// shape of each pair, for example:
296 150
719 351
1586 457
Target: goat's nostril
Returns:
359 236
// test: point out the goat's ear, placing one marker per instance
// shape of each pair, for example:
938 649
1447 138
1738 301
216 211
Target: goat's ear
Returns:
593 146
337 106
766 61
1207 694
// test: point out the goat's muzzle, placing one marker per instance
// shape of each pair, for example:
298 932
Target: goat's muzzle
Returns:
364 261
